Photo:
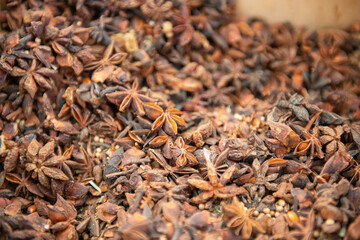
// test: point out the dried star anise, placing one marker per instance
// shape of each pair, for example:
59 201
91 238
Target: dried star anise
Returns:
156 9
182 153
331 138
183 25
216 187
63 215
130 98
34 77
36 156
239 218
295 106
311 143
173 171
105 66
168 119
32 226
164 192
64 162
261 180
24 183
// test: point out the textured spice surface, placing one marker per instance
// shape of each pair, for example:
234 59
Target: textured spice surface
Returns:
165 119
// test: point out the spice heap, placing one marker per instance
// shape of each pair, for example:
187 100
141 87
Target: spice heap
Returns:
156 119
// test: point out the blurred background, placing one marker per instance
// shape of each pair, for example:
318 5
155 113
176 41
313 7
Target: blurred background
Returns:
309 13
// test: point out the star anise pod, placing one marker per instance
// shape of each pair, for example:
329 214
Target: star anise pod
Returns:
172 171
90 170
216 187
234 75
106 66
311 143
63 215
31 226
182 153
89 223
53 122
156 9
163 141
304 231
201 133
337 162
36 156
99 33
64 162
261 180
332 61
285 138
168 119
183 25
353 172
219 95
130 98
83 117
331 138
255 80
294 104
135 226
164 192
217 158
239 218
34 77
105 127
24 184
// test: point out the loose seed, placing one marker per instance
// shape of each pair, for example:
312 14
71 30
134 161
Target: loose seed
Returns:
293 216
281 202
279 208
329 221
31 209
266 210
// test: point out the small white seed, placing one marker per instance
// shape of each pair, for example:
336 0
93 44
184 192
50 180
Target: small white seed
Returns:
266 210
96 138
329 221
101 140
281 202
238 117
279 208
277 214
167 29
255 213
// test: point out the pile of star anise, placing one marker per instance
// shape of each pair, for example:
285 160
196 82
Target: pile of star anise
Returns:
159 119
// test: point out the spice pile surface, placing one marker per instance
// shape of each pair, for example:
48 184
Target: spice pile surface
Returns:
156 119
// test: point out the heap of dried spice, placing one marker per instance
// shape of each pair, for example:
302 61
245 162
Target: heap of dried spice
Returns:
158 119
